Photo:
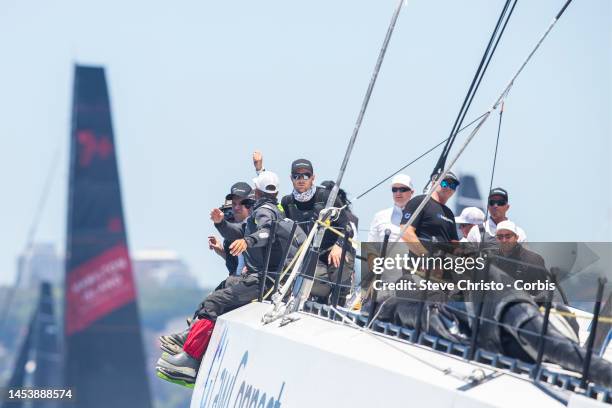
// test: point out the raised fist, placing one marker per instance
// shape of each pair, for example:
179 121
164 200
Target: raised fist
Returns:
257 160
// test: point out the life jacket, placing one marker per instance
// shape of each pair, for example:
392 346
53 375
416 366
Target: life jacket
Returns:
305 218
283 238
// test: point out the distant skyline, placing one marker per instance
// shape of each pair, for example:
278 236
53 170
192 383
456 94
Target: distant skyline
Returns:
45 261
197 86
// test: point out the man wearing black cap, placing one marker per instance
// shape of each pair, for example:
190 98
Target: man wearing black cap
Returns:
436 222
303 206
498 208
242 201
250 238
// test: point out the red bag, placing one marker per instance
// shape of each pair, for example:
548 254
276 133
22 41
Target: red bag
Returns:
198 338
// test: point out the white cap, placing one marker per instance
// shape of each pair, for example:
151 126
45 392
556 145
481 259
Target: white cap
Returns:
267 182
403 180
508 226
470 215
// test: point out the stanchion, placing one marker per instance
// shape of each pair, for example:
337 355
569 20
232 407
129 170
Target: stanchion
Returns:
542 339
264 274
281 265
423 300
345 246
587 360
374 302
477 316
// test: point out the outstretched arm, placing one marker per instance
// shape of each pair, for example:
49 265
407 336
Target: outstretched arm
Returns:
228 230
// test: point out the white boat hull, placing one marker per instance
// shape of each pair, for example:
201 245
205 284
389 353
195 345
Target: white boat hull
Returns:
317 362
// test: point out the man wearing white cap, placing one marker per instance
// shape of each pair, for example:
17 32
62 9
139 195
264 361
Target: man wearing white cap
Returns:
470 218
515 259
390 218
251 239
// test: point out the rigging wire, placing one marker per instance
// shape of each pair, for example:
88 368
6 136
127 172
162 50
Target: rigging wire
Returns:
304 286
415 160
499 100
501 115
8 300
502 22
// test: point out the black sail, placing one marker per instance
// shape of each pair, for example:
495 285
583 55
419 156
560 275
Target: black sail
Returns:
105 361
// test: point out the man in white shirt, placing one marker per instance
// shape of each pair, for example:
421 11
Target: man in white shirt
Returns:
498 208
470 218
390 218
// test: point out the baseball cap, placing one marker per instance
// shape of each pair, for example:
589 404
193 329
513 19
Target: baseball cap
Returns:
500 192
267 182
470 215
508 226
403 180
301 164
450 175
239 190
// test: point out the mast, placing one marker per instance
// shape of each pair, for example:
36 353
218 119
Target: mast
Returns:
305 285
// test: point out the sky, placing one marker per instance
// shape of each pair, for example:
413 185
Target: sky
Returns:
196 86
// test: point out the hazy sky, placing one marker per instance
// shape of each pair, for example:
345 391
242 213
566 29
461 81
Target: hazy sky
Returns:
196 86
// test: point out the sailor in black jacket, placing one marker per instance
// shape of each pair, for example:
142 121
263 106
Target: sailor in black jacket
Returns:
241 198
303 205
250 238
516 260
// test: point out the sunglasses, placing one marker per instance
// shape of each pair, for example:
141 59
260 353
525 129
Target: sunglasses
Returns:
504 236
449 184
498 203
301 176
400 189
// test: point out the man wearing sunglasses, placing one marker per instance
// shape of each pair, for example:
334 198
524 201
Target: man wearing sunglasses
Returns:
436 222
390 218
241 197
516 260
303 205
498 209
469 219
249 238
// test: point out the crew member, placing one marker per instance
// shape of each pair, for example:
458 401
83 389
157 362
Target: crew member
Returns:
516 260
303 206
470 218
390 218
498 208
242 201
436 222
348 297
251 239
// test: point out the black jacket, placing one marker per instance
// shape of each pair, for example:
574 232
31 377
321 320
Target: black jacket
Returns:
255 230
306 213
522 264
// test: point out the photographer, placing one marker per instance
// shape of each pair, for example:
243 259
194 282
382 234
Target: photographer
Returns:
241 198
